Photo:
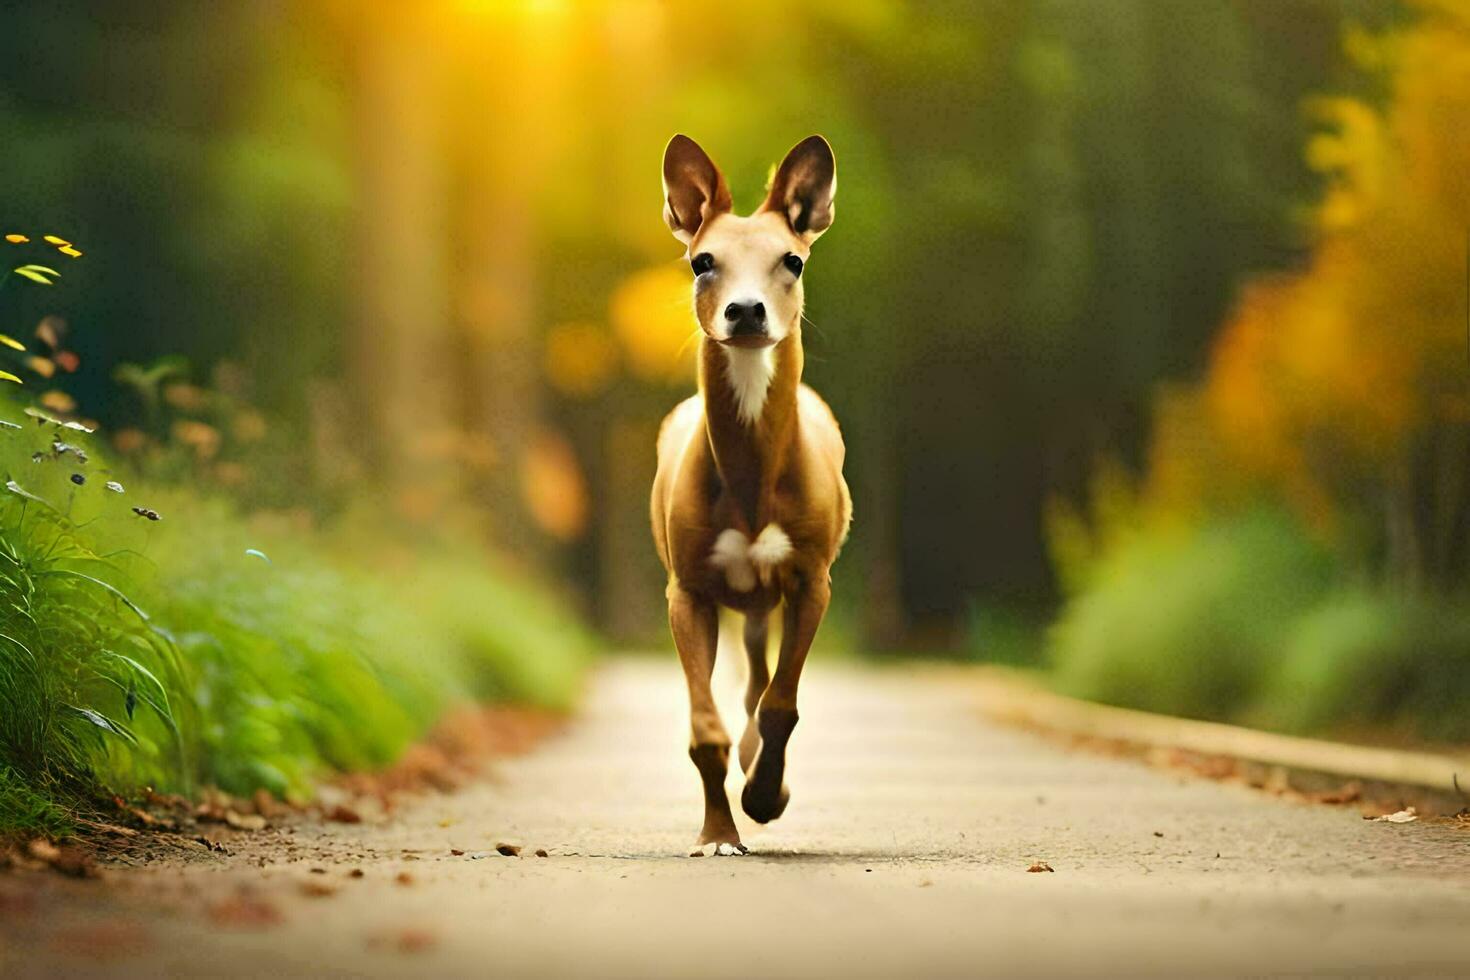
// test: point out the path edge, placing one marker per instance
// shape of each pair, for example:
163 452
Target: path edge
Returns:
1434 782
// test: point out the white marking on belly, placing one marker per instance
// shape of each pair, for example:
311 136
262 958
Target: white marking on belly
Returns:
749 373
732 553
744 561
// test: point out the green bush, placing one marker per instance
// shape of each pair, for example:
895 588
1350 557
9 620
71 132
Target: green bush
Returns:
1362 662
1189 621
208 648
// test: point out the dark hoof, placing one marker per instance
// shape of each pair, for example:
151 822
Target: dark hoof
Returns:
761 804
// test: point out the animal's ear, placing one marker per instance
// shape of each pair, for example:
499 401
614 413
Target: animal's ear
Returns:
804 187
694 189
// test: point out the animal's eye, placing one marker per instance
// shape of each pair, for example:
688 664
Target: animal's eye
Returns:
702 263
793 262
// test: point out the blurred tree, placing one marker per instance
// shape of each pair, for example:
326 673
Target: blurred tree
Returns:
1045 206
1344 388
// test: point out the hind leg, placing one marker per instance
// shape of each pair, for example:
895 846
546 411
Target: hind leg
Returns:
758 678
765 796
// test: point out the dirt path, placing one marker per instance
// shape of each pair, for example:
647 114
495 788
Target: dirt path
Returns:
904 853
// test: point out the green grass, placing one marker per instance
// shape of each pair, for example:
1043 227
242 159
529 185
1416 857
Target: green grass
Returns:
1189 621
172 654
1247 619
1366 663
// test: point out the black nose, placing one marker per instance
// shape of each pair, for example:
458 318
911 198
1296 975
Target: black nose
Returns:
746 318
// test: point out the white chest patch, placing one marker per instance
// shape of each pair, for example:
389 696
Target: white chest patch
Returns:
746 562
749 373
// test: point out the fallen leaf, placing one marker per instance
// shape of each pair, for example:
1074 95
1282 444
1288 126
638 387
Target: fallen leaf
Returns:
1347 793
265 803
343 814
245 912
244 821
456 852
317 889
403 878
1039 866
508 850
541 852
43 850
356 873
1406 815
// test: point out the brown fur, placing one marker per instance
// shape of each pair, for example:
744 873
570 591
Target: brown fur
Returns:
717 471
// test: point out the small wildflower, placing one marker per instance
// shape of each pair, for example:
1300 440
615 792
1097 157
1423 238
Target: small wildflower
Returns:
59 402
49 331
147 512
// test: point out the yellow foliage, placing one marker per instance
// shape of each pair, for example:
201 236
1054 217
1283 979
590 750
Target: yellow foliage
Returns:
553 488
653 318
581 359
1078 539
1326 379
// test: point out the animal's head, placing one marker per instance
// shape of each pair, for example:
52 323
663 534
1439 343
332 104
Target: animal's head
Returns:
747 270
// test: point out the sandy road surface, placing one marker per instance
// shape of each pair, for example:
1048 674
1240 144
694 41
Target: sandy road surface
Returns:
904 853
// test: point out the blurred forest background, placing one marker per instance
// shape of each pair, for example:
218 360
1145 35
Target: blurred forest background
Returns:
1144 317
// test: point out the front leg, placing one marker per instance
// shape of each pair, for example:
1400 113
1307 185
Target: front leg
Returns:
765 796
695 625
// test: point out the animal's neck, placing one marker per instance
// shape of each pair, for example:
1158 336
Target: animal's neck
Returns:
750 414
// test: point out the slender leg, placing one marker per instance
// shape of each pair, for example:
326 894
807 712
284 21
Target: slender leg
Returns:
756 681
765 796
695 625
